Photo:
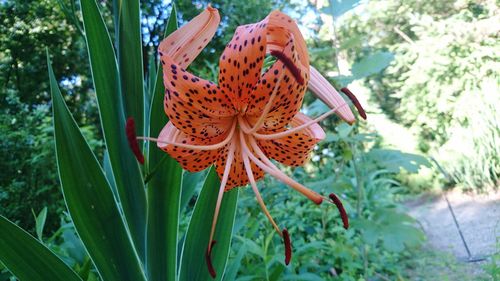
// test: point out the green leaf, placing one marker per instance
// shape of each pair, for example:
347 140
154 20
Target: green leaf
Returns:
394 160
194 267
28 259
164 191
40 223
190 181
126 172
336 8
372 64
130 63
89 198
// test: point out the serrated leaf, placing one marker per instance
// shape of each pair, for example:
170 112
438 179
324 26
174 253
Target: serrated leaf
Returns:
89 198
28 259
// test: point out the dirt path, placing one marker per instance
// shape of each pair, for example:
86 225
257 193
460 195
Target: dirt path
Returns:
466 227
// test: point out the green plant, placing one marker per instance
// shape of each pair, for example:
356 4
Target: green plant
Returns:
128 228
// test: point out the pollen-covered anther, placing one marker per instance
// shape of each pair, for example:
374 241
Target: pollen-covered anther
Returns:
340 207
288 246
132 140
355 101
208 259
290 65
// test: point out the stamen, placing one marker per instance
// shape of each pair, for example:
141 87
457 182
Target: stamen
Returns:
227 169
343 214
267 108
248 169
298 128
132 140
193 146
275 172
355 101
289 64
208 259
288 246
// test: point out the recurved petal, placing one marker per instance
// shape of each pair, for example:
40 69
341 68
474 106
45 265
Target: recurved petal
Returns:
294 150
325 91
190 159
195 106
186 43
277 19
290 93
241 63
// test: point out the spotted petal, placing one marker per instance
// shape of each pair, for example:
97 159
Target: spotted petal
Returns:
190 159
195 106
294 150
290 93
241 63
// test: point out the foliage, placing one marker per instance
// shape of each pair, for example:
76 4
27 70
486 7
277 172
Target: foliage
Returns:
377 244
442 79
107 204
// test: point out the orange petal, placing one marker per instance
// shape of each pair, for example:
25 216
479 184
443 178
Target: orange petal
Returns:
195 106
237 175
294 150
325 91
186 43
191 160
241 63
282 21
290 92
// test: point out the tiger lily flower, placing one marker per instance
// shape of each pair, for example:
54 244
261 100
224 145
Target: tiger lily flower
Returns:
248 117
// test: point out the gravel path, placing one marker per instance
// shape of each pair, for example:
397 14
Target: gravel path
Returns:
465 226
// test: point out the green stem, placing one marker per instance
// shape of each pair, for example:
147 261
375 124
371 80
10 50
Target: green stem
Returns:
155 169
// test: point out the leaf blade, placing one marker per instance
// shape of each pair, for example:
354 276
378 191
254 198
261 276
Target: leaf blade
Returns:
126 172
164 191
89 198
193 265
28 259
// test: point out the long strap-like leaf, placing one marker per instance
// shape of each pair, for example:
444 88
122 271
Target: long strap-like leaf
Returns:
89 198
194 267
28 259
127 175
164 190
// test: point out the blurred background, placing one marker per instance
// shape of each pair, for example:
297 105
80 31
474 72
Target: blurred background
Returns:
419 178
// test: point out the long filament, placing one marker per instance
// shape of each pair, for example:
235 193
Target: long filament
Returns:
227 169
313 196
298 128
248 169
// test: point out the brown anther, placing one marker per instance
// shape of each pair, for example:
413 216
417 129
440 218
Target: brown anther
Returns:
355 101
340 207
132 140
289 64
208 259
288 246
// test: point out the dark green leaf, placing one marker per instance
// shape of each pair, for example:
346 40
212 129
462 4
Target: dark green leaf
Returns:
129 50
89 198
127 175
28 259
164 189
194 267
